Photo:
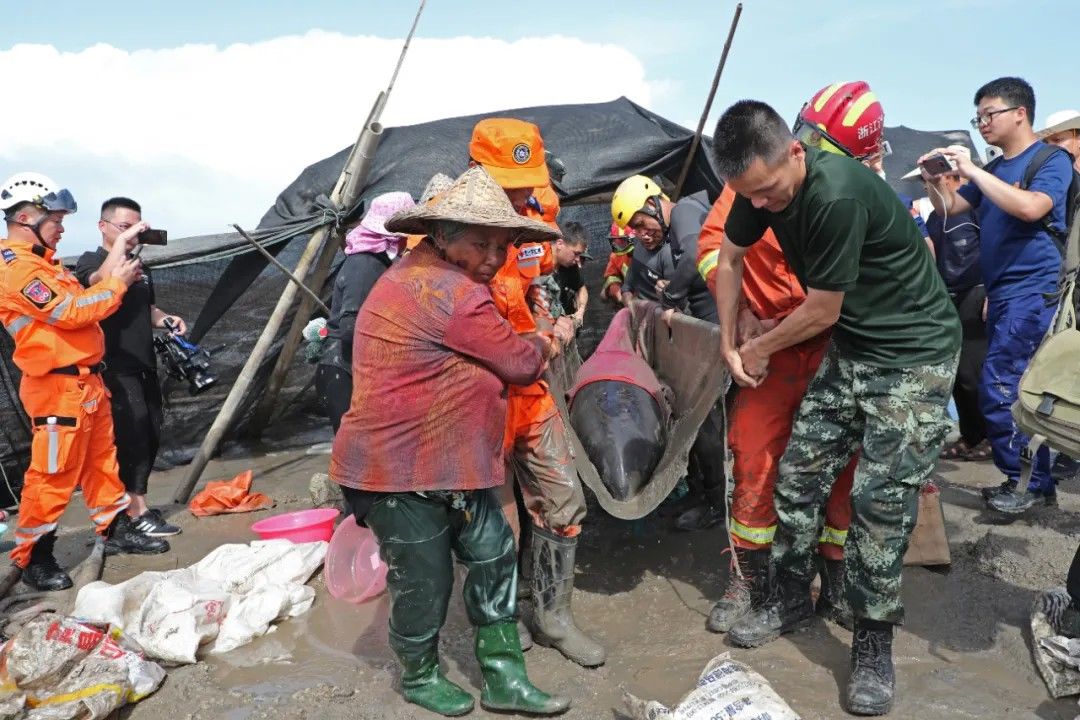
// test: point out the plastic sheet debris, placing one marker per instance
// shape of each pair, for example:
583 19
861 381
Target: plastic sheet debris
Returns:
58 668
228 496
726 690
228 598
1056 655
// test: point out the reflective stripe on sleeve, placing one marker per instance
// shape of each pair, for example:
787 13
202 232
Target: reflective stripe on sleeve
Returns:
708 263
95 298
58 311
833 536
758 536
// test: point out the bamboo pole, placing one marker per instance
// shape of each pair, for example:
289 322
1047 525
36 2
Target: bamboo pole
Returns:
265 409
708 106
369 137
277 263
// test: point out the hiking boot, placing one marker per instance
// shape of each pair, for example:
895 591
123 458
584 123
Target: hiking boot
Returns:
43 573
553 623
832 602
701 517
423 684
744 593
788 609
1014 503
1006 487
506 684
122 537
152 523
872 683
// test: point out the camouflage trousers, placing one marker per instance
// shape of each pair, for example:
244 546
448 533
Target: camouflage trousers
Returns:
896 419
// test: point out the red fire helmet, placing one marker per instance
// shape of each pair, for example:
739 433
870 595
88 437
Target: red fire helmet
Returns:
845 118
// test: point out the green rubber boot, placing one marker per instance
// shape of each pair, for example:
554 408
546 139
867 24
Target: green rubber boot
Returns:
423 683
506 685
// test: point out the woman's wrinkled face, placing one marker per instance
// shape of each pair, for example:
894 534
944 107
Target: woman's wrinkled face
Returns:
479 251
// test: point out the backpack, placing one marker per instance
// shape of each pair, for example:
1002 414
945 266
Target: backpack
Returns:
1048 403
1072 195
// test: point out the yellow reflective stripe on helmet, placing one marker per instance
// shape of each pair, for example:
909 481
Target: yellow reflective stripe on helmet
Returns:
833 536
858 108
708 263
758 536
826 95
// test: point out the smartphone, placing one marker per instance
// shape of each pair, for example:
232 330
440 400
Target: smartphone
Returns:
937 164
153 237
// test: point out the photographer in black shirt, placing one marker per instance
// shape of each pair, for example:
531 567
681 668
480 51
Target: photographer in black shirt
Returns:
131 367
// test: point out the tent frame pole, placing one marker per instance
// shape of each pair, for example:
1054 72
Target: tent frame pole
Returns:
685 172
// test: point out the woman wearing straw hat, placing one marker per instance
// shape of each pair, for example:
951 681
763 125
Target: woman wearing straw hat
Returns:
369 250
420 448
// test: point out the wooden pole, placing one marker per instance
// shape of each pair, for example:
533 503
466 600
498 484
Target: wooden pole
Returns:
350 185
277 263
369 137
265 409
708 106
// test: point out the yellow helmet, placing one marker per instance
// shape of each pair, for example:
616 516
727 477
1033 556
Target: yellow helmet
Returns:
632 196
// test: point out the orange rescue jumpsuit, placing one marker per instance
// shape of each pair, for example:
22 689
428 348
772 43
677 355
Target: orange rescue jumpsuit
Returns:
618 265
54 323
536 439
761 417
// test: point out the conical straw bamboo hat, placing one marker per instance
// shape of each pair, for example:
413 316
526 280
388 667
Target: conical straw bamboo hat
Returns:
474 199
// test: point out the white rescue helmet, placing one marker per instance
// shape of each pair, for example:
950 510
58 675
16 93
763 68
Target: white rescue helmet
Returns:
38 190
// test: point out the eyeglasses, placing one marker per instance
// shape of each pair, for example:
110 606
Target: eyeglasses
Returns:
122 227
987 117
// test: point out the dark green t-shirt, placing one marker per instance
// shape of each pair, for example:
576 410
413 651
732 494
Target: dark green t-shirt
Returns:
846 230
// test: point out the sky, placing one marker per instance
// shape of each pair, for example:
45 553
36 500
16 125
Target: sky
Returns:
205 110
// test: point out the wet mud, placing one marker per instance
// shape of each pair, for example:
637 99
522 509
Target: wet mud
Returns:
644 591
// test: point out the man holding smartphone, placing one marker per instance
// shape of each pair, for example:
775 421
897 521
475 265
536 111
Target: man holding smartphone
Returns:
1020 261
131 365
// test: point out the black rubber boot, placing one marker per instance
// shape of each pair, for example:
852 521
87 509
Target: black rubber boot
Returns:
832 603
44 573
123 538
743 595
788 609
553 623
701 517
872 683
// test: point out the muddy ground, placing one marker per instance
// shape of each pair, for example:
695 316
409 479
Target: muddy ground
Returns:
644 591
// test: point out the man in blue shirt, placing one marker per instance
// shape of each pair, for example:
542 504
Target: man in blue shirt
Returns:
1020 263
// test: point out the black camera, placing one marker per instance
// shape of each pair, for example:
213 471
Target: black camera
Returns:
184 360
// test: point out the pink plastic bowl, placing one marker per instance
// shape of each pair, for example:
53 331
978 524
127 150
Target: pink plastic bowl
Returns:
354 571
299 527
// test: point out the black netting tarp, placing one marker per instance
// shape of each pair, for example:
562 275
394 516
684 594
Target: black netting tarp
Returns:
226 290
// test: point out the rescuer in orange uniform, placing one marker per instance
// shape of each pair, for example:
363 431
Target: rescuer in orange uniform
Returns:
512 151
618 264
847 119
53 321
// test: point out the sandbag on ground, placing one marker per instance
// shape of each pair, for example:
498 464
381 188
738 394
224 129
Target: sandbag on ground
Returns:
687 377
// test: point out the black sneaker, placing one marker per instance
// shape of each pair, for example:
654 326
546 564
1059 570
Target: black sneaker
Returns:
124 538
153 524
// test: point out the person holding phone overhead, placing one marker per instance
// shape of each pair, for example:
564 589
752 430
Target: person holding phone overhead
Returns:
130 363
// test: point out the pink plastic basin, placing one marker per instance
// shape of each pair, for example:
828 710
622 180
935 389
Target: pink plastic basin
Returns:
354 572
299 527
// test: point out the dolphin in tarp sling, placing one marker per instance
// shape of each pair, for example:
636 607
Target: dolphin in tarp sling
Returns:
633 409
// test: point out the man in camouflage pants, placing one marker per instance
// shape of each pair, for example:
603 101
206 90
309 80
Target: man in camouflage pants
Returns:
881 390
